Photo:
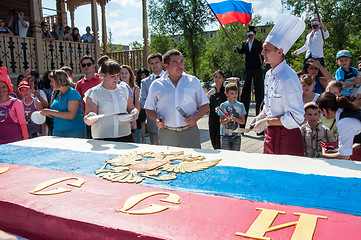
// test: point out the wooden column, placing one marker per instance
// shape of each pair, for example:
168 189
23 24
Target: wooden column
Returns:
35 23
72 17
61 13
95 29
145 35
104 29
40 6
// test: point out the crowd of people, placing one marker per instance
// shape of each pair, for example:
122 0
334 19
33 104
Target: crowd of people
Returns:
18 26
303 113
65 33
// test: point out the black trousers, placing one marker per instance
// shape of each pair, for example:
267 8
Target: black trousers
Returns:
214 132
257 76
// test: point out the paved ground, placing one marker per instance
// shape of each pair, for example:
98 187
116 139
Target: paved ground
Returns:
250 142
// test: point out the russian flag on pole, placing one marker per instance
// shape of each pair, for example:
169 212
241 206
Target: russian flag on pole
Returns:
230 11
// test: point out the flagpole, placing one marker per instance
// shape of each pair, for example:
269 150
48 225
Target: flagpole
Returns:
318 16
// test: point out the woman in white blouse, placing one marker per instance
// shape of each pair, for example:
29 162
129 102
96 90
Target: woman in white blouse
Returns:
348 121
112 100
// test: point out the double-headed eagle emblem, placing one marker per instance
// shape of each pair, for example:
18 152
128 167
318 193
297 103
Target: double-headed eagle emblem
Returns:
135 167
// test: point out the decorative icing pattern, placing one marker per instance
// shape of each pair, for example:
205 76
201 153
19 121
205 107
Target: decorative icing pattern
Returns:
128 166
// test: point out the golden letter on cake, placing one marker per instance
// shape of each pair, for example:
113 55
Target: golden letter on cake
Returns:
78 183
153 208
305 226
4 169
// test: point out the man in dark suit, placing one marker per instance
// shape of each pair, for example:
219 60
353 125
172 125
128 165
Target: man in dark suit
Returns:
252 49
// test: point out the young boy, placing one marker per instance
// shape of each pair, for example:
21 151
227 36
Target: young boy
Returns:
31 105
235 113
345 73
334 87
314 132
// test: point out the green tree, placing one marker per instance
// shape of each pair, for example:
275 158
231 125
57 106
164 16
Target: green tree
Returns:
343 20
218 51
110 46
161 42
135 45
185 17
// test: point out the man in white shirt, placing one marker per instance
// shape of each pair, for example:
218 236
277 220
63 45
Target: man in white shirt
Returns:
314 41
252 49
155 63
177 89
283 112
23 25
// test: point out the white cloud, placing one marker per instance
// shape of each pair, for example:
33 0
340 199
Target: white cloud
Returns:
268 10
127 3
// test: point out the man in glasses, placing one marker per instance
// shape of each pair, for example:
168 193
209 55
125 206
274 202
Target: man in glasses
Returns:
91 79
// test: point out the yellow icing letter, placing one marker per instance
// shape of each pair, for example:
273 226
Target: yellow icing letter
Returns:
305 226
36 191
153 208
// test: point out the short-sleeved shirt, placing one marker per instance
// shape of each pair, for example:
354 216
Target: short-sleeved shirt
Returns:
164 97
110 102
348 128
23 31
346 75
236 110
84 85
61 105
86 38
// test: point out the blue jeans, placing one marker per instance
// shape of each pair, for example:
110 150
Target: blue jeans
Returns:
76 133
231 142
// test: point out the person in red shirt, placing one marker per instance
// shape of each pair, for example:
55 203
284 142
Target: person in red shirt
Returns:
91 79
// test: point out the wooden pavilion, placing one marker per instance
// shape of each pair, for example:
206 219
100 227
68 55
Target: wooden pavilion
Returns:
33 52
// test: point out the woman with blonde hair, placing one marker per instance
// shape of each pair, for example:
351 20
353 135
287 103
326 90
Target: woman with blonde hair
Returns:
65 108
308 85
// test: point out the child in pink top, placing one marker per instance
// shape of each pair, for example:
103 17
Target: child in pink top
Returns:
12 118
31 105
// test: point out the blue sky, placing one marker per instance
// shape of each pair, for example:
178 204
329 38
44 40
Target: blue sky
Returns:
124 17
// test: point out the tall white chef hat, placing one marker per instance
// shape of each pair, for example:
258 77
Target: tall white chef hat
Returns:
286 32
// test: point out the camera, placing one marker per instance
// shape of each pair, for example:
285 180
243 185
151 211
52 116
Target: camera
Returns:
13 11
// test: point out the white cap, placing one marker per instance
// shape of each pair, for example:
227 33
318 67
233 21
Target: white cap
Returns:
286 32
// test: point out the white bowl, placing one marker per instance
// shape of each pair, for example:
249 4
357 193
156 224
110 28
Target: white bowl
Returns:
37 118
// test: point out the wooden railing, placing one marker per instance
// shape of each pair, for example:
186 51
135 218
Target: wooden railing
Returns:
133 58
64 53
18 54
